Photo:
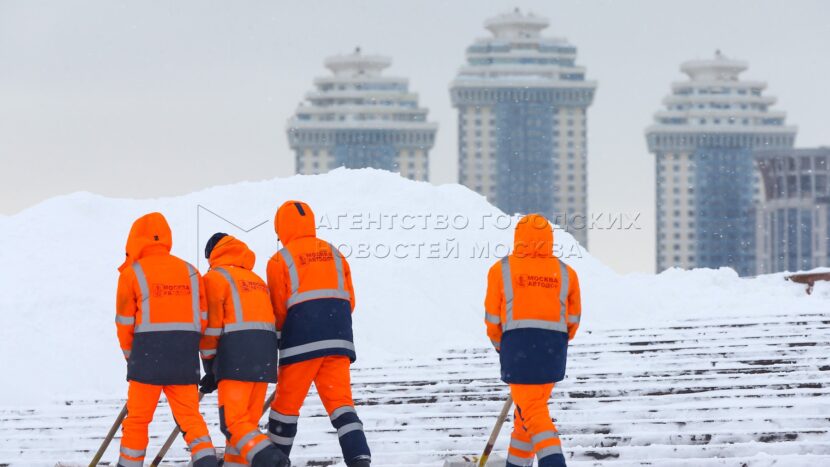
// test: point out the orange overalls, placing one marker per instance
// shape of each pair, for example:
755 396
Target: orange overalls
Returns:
239 347
313 298
532 310
160 318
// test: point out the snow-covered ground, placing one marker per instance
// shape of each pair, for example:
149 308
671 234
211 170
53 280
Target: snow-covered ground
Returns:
740 391
419 256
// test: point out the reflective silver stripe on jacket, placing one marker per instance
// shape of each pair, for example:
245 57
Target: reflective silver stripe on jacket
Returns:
145 291
144 287
315 294
239 315
490 318
194 296
548 451
338 266
294 277
125 320
510 323
237 300
250 326
315 346
536 324
156 327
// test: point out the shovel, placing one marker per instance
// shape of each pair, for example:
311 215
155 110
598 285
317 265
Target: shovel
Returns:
481 461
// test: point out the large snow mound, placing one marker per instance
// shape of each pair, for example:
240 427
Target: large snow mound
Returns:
419 255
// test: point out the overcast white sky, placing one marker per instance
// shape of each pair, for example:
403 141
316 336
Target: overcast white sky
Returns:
151 98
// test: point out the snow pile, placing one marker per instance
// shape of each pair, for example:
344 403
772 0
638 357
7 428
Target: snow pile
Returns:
419 257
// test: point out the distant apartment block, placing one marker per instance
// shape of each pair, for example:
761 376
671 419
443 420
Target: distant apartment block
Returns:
522 126
794 218
357 118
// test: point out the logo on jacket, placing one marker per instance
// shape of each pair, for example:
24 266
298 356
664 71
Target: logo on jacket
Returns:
253 286
533 280
169 290
316 257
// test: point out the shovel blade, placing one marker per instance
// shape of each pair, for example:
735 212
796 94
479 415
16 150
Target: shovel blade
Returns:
472 461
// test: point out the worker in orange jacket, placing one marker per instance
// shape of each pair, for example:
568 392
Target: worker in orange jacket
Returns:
160 318
239 351
532 311
313 298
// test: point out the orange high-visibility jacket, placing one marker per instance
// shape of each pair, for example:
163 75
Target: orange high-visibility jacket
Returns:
311 290
241 333
160 308
533 306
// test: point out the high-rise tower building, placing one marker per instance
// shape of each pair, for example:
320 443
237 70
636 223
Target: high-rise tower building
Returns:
358 118
522 126
708 187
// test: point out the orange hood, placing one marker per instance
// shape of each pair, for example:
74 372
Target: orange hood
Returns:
149 233
534 237
230 251
294 220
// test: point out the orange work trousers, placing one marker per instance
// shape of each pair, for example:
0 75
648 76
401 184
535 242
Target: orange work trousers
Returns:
534 433
331 376
240 408
142 400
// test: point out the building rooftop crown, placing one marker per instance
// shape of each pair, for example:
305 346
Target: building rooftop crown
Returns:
516 25
356 95
518 55
356 64
719 68
715 101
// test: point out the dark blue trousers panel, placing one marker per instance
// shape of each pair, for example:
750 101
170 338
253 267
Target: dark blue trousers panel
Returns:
314 321
352 439
165 358
247 356
533 356
354 446
317 320
285 433
554 460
